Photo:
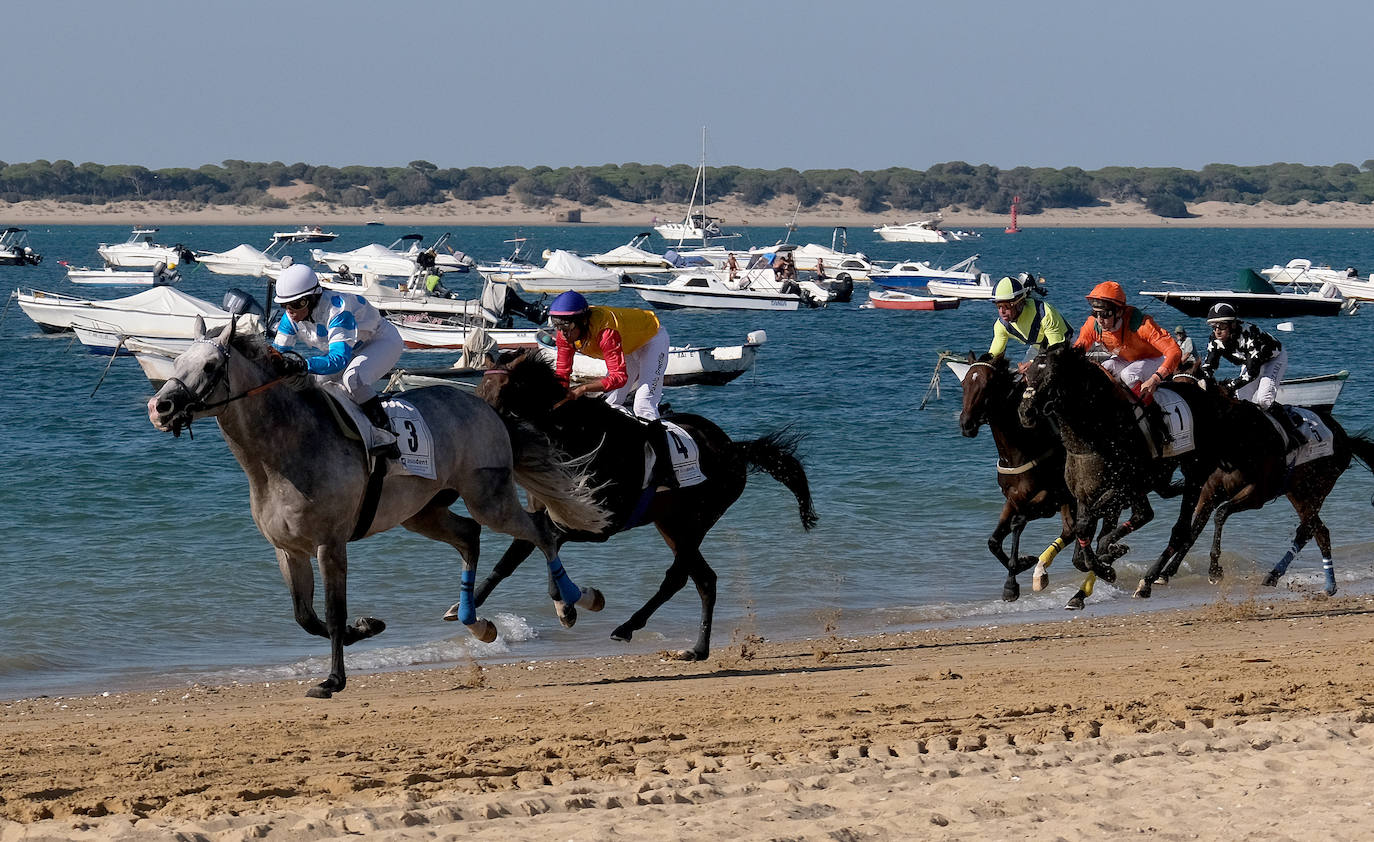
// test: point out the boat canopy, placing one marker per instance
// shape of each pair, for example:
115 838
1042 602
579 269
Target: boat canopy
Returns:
1249 280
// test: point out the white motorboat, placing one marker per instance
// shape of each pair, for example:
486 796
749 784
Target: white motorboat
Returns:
396 260
566 271
918 273
139 251
304 234
632 255
439 335
242 259
755 287
1300 273
158 313
920 231
108 276
836 260
697 226
15 249
687 365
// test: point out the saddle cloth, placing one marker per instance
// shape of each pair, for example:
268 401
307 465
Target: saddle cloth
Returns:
1318 441
685 456
1178 420
413 436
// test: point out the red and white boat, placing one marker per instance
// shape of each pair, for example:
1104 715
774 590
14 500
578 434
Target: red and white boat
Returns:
891 299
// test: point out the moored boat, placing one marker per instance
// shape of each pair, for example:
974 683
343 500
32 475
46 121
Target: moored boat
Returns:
891 299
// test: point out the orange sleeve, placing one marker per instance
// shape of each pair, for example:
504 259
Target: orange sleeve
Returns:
1087 335
1163 342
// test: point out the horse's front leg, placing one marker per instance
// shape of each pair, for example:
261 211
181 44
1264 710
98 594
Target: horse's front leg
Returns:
513 557
687 563
1009 523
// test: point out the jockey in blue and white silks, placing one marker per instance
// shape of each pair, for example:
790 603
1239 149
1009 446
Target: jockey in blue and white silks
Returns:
358 346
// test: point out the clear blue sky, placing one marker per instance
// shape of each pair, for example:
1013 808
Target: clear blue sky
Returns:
777 84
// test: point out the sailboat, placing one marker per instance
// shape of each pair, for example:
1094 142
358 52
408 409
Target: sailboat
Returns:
697 226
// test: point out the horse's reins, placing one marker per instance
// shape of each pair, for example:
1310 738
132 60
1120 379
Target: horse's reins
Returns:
200 400
1022 468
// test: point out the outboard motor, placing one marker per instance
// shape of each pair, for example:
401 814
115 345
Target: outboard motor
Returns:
238 302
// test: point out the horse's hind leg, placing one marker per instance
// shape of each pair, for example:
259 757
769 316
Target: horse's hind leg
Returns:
515 554
437 523
1040 579
497 506
300 579
687 563
1323 536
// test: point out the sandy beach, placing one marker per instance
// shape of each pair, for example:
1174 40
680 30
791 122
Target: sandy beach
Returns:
509 212
1241 720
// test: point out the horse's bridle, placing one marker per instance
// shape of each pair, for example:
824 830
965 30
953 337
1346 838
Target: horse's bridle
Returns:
200 401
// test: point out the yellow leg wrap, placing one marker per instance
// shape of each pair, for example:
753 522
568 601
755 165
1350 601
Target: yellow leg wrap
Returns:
1047 557
1088 582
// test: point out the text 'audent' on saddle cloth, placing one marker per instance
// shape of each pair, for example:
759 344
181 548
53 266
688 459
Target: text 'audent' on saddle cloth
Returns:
413 437
685 455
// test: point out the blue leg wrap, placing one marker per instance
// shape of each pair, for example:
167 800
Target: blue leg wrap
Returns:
467 615
1330 573
1282 566
567 590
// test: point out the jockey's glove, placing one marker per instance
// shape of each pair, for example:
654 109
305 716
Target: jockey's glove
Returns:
289 365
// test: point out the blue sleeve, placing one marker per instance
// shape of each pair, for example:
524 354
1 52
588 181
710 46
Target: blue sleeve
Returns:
333 362
286 334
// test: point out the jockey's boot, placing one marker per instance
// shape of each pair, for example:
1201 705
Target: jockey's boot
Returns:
384 442
663 475
1280 413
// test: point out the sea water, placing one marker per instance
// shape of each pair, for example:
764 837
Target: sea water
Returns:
130 557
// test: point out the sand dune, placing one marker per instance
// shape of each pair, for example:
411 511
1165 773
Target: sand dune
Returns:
1236 721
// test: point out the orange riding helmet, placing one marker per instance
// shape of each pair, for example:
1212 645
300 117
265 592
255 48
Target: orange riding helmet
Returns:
1108 291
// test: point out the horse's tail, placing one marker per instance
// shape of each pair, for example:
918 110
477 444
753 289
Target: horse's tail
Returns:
1362 448
776 455
562 484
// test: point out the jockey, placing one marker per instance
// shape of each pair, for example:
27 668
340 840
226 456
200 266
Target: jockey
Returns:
1260 356
631 341
1143 354
359 346
1039 326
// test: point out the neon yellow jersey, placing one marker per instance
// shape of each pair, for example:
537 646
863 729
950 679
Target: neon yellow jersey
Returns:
1038 324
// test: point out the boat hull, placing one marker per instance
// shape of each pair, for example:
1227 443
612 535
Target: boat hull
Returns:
894 300
1250 305
663 298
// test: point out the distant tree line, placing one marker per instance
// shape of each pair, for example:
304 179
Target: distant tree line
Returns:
1165 191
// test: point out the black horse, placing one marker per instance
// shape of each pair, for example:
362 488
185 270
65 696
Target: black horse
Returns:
1030 472
1253 469
614 445
1113 461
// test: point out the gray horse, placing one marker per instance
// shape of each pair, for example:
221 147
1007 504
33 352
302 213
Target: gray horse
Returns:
308 480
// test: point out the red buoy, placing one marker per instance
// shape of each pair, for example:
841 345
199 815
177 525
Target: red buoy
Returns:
1012 229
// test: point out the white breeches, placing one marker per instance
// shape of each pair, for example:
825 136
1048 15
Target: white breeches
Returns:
1132 373
1265 387
371 362
645 369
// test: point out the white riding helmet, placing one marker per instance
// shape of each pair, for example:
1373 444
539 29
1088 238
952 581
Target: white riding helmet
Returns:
296 281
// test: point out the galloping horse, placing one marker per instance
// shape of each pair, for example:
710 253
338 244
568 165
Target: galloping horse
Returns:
308 480
614 444
1113 464
1030 472
1254 470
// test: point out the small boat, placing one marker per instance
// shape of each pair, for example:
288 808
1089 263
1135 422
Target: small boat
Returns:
919 231
108 276
755 287
160 312
1319 391
697 226
139 251
632 255
1301 273
961 280
304 234
242 259
15 250
401 259
440 335
891 299
836 260
565 271
1256 298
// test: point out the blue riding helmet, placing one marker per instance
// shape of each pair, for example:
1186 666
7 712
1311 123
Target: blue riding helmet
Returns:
568 303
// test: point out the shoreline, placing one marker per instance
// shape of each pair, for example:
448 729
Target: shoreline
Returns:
1232 716
776 214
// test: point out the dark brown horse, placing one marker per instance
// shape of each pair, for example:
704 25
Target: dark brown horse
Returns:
1253 470
613 444
1113 462
1030 472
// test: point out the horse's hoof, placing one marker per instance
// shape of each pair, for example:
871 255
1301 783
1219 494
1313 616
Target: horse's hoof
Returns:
1106 573
365 627
622 634
1040 581
452 613
1215 577
1142 590
1075 604
1011 591
1026 562
1272 579
684 655
483 629
1114 552
592 600
320 692
567 614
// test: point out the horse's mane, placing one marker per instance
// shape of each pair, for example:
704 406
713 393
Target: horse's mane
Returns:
255 348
